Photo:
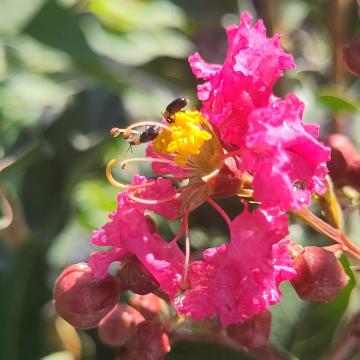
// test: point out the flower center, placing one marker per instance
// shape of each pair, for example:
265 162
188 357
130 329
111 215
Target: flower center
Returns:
186 137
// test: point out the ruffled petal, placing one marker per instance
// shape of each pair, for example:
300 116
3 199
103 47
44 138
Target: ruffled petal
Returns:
240 279
244 82
286 157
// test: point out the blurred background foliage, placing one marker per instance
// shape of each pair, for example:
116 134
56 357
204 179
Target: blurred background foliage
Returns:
72 69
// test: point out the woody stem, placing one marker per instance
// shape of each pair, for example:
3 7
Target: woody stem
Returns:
325 229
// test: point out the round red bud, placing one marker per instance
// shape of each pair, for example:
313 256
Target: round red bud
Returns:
135 277
342 154
353 173
149 341
253 333
115 327
148 305
351 56
83 300
320 275
227 181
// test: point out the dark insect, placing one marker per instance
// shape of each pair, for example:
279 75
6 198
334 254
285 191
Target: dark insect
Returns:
145 132
175 106
142 134
136 135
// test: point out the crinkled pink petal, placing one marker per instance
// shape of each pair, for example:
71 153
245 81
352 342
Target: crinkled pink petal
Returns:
239 279
288 162
245 80
128 232
202 69
160 190
100 261
282 262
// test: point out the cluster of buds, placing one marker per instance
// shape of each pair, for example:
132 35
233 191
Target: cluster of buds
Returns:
136 329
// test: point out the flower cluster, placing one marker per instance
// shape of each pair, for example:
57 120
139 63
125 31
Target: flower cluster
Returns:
244 142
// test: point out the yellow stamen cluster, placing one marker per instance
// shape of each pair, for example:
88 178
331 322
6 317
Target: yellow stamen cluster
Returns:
185 138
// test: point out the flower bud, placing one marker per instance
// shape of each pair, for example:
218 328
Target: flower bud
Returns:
351 56
320 275
149 305
228 181
115 327
254 333
353 173
135 277
83 300
342 154
149 341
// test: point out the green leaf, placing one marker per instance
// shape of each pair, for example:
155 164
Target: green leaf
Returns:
124 15
286 316
136 47
15 13
338 102
23 294
76 139
59 28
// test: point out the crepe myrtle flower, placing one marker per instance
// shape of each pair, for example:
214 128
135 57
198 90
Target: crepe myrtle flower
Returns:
224 150
244 142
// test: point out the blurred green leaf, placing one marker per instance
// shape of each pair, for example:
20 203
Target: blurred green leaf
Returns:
136 47
76 138
23 294
40 58
124 15
286 316
200 350
15 13
26 95
338 102
291 14
94 200
58 27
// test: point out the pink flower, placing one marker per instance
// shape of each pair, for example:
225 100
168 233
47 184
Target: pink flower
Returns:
246 142
284 155
245 80
128 232
236 280
240 279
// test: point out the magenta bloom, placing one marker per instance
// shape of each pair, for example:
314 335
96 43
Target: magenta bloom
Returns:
244 143
128 232
284 155
276 147
236 280
240 279
244 82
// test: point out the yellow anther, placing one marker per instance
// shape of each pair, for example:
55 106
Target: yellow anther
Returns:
185 138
